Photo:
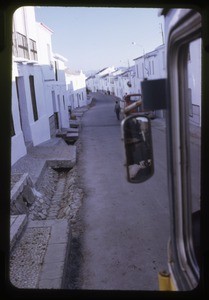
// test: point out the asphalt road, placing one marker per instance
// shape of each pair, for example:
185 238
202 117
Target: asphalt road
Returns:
125 225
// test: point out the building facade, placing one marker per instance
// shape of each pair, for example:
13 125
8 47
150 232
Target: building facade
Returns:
41 92
76 86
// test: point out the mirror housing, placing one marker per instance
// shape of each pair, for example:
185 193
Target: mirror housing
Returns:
137 138
154 94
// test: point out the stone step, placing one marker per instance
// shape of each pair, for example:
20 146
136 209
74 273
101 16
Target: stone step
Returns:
73 135
17 226
80 109
61 134
78 114
74 123
72 130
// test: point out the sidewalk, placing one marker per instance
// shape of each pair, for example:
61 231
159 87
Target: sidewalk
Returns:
54 152
39 248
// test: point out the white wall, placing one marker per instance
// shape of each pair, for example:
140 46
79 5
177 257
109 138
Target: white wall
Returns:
161 62
90 83
24 21
48 95
194 81
31 131
194 65
77 85
38 132
18 148
44 44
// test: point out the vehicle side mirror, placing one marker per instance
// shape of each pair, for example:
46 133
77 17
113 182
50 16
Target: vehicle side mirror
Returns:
137 137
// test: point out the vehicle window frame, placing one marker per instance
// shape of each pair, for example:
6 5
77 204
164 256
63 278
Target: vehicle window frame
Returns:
182 262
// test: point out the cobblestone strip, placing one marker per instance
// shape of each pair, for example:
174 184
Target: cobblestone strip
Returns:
55 201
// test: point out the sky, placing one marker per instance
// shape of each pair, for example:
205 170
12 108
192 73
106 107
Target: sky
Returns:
95 38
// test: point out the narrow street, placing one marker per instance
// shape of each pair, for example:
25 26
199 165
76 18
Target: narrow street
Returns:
125 226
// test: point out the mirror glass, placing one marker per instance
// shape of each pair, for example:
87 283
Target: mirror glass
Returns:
138 148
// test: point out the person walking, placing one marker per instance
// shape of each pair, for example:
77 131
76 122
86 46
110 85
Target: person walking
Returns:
117 109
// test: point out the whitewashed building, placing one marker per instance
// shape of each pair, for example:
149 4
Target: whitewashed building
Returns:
40 96
151 65
76 85
194 67
91 83
30 124
97 82
123 83
59 93
120 80
194 82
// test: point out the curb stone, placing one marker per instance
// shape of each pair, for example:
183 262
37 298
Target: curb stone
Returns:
54 267
17 225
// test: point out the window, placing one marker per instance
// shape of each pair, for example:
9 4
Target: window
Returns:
137 70
72 96
22 46
189 95
56 118
18 97
33 97
189 56
64 102
143 70
12 127
56 71
14 45
33 50
153 70
163 59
